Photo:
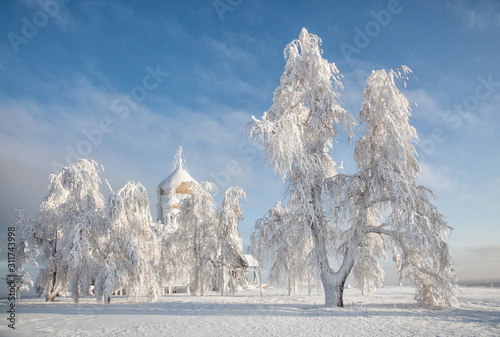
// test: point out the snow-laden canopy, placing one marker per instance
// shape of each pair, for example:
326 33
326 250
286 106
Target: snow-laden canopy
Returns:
353 217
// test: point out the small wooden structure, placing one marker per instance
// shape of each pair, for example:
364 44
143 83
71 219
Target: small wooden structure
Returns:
251 269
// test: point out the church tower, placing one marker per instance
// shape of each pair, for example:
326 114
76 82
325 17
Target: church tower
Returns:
172 190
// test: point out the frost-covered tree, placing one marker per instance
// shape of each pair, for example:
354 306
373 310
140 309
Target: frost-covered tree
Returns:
297 133
383 204
129 249
73 194
259 248
85 259
193 245
82 243
166 272
355 218
229 242
288 243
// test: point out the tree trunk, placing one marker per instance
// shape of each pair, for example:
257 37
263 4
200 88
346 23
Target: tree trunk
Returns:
260 268
316 225
200 278
232 286
76 295
196 281
51 296
309 283
333 282
260 281
53 291
222 287
289 286
292 286
334 292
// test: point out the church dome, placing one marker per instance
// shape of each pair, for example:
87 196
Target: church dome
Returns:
174 188
177 181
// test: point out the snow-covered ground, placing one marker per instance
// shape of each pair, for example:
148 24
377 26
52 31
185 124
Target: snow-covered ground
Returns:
387 312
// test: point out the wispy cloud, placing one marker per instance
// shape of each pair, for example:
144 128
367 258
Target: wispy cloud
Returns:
228 51
437 178
477 15
427 105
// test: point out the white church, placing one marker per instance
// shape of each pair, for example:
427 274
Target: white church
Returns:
172 190
176 187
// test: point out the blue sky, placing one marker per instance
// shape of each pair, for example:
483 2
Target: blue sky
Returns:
126 82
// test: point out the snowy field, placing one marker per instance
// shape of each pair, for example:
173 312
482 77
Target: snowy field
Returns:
387 312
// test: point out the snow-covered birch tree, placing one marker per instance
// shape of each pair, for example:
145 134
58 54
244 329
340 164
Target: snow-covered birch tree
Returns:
166 271
130 250
229 245
73 193
85 260
193 245
283 236
259 248
297 134
384 206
